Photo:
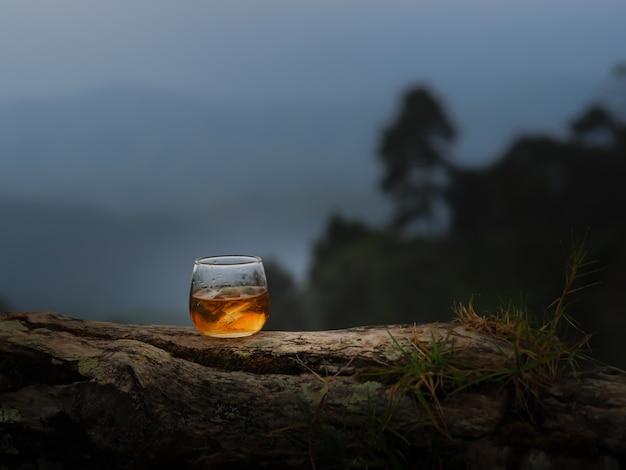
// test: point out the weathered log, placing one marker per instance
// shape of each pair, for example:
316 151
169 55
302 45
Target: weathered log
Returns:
88 394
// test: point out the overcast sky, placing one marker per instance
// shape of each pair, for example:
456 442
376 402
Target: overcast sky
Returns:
306 50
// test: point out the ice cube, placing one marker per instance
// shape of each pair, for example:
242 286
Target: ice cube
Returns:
208 294
234 311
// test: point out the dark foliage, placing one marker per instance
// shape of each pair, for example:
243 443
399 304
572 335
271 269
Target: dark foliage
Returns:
287 299
512 223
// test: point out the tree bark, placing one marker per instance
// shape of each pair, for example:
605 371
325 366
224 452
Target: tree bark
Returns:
88 394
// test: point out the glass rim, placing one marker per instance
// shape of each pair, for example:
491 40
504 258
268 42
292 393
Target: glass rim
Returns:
227 260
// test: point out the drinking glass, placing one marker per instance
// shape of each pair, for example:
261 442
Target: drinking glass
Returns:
229 296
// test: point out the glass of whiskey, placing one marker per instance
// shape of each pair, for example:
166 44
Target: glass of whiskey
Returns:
229 296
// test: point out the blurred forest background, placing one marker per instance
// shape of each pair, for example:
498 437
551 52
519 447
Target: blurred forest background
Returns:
496 236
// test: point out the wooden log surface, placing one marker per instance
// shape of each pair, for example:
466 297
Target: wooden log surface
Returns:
89 394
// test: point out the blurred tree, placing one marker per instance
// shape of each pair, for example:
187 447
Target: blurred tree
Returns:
287 302
339 234
547 186
596 127
366 276
513 194
337 279
414 151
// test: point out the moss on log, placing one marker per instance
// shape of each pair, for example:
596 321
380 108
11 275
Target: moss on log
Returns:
88 394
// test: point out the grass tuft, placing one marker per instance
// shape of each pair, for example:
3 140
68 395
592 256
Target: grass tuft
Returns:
534 351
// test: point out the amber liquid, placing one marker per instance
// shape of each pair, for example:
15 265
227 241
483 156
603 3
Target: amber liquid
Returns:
229 312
